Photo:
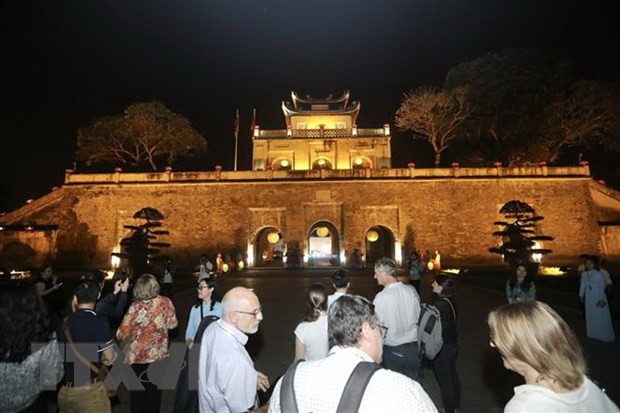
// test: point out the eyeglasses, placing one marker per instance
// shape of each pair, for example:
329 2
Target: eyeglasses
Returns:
200 287
254 313
383 330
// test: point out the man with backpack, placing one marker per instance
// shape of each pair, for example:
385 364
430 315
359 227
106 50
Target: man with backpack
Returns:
348 379
398 308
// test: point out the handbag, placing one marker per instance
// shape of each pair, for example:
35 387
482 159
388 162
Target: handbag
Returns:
101 372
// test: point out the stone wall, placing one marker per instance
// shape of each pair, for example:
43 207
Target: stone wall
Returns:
452 215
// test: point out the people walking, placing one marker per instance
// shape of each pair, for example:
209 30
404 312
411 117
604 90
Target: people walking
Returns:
341 283
535 342
205 267
415 269
520 285
167 279
208 304
145 327
311 334
227 380
30 361
355 338
592 295
81 390
398 308
444 364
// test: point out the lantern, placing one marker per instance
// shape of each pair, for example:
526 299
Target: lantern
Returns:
322 231
372 236
273 237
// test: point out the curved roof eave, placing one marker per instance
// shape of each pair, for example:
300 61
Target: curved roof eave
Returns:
354 110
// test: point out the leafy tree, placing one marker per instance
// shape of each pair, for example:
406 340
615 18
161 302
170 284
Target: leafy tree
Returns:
148 134
509 91
434 115
519 235
588 114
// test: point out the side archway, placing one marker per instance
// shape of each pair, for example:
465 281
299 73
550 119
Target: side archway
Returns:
379 243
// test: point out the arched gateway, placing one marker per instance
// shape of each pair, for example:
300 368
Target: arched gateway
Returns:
323 245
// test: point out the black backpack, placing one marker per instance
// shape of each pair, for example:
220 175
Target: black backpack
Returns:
186 399
351 395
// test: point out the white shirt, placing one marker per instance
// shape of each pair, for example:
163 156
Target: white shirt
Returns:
398 308
333 297
319 385
530 398
226 376
313 336
167 277
606 275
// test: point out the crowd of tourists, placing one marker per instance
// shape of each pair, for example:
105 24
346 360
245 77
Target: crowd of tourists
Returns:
350 353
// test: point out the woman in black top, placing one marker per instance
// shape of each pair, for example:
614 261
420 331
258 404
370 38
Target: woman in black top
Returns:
444 364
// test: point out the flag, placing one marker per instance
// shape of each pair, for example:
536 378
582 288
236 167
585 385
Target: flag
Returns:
236 124
253 124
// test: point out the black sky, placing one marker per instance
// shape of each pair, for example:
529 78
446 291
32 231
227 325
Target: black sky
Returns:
65 63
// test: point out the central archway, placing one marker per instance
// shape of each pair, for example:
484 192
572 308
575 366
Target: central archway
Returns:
269 248
323 245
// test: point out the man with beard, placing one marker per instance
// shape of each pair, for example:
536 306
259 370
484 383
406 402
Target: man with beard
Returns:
227 380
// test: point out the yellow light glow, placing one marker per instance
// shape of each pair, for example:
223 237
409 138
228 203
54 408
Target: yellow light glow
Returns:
359 161
240 265
225 267
372 236
322 231
321 162
273 237
250 252
537 257
557 271
115 261
284 163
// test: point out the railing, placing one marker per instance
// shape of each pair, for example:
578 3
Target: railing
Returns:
327 174
320 133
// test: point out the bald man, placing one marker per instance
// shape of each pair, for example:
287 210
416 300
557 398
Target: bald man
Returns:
227 380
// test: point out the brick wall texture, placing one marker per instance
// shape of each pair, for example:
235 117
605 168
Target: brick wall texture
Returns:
454 216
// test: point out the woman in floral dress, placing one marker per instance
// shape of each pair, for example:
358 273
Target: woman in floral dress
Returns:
145 327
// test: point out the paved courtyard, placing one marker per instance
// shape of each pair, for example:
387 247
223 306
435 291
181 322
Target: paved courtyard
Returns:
486 385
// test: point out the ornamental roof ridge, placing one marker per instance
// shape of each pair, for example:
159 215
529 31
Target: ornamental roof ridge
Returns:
344 99
289 110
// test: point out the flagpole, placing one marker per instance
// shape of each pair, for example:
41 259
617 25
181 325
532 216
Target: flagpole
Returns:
236 137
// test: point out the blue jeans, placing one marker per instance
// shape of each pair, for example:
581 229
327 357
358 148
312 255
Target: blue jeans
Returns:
404 358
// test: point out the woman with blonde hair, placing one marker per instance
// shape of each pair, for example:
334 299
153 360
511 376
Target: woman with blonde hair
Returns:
311 342
535 342
146 326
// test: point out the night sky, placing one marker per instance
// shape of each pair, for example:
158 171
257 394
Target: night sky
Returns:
65 63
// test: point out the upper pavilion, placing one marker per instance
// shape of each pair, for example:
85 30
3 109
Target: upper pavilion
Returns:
321 134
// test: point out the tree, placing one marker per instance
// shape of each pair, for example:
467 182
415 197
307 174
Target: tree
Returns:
519 235
434 115
508 91
588 114
148 134
140 247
